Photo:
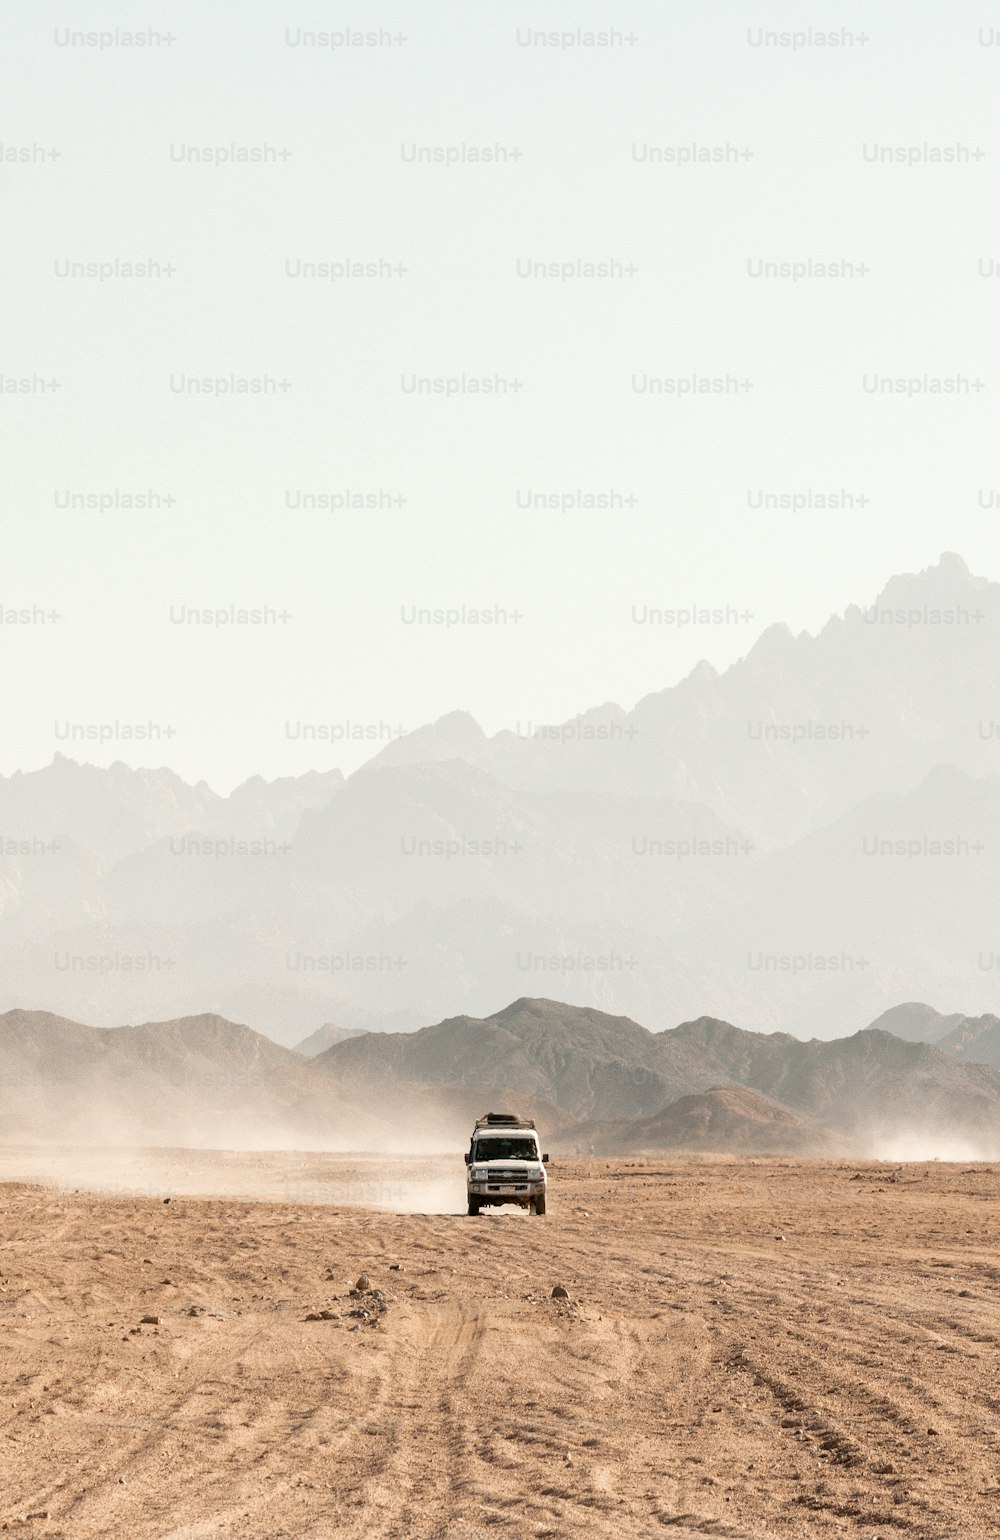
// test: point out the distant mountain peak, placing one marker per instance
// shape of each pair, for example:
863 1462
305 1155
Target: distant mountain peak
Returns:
944 581
326 1036
951 563
915 1022
456 735
774 639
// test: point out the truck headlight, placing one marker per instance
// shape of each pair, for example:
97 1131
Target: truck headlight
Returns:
478 1174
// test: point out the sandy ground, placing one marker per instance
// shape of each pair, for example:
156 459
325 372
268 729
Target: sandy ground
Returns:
749 1349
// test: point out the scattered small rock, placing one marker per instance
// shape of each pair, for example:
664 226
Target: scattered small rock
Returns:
314 1315
151 1320
166 1200
396 1267
363 1284
328 1315
558 1292
371 1311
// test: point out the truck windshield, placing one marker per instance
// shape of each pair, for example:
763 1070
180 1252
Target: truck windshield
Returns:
506 1149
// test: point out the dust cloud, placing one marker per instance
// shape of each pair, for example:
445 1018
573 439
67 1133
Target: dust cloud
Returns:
410 1184
917 1144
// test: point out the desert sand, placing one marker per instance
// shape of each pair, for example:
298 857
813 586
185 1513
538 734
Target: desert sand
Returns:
748 1349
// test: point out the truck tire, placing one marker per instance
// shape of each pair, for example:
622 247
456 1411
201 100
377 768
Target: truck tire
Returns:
473 1207
539 1205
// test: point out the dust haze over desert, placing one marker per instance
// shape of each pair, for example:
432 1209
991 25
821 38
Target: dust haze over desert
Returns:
500 788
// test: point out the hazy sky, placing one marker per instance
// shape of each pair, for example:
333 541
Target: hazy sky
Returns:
800 130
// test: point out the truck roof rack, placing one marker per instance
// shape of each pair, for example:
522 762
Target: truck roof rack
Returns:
503 1120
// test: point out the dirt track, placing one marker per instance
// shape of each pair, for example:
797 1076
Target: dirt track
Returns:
754 1349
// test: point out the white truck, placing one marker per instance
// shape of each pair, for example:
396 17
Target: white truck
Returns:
505 1164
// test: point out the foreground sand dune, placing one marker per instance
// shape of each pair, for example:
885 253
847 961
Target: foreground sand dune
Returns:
748 1350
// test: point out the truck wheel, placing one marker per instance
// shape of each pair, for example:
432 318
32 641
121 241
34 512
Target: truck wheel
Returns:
540 1205
473 1207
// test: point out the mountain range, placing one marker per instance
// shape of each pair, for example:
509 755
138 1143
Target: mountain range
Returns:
592 1081
796 843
